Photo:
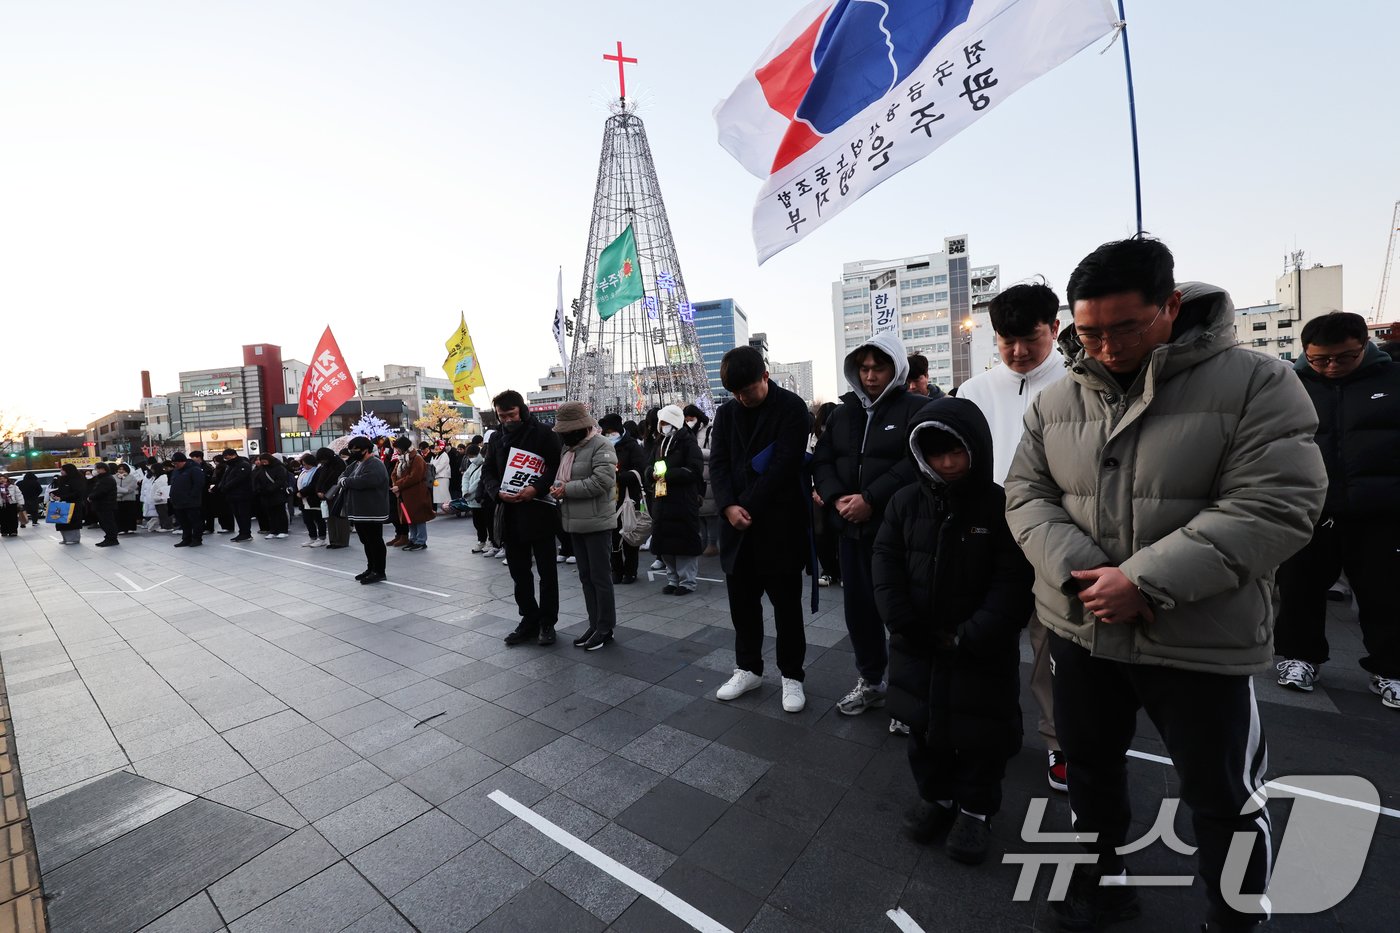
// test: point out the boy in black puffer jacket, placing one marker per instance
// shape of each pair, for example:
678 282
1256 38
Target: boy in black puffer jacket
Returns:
954 590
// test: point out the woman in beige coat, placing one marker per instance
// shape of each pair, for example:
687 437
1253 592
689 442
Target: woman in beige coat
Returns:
584 488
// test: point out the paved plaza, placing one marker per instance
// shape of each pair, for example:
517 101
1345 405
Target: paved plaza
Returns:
242 738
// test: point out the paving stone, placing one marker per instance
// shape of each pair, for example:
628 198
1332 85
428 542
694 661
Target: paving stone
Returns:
195 768
263 752
383 919
656 703
448 777
474 809
284 866
359 717
139 877
477 724
76 823
645 858
358 824
672 815
722 771
332 900
747 850
514 742
244 793
599 893
279 811
533 697
196 915
612 785
613 729
410 756
560 761
663 749
836 891
462 892
382 735
706 719
614 689
400 858
539 908
713 896
793 796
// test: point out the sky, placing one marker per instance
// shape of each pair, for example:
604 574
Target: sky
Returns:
178 179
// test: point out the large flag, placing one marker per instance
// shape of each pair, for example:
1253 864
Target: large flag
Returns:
462 365
327 385
850 93
618 282
559 327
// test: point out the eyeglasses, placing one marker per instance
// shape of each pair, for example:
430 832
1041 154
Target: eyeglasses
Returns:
1341 359
1123 338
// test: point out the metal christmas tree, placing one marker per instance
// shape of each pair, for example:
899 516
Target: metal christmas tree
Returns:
646 354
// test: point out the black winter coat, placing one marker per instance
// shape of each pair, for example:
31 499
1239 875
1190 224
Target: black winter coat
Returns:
954 591
102 493
873 461
327 473
365 487
236 478
675 517
523 522
187 485
777 541
631 458
270 482
1358 432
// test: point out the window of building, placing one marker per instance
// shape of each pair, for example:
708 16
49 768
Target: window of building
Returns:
1285 323
1285 341
940 296
917 332
941 347
940 330
1260 325
940 280
850 293
1286 356
1261 341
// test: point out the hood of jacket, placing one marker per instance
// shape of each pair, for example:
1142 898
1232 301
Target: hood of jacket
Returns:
965 421
1204 327
890 345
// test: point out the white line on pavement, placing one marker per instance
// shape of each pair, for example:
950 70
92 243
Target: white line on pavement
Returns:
129 582
903 921
1300 791
402 586
627 876
652 574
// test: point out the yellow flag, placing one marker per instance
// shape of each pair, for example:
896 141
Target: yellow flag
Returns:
461 365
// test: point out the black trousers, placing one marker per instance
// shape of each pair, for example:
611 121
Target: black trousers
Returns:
971 778
191 523
481 525
625 557
1210 724
489 507
868 638
315 523
371 535
544 612
9 519
242 509
595 577
784 591
1369 551
107 521
128 515
275 519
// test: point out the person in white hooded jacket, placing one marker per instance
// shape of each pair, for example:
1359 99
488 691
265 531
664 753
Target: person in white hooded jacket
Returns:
1026 321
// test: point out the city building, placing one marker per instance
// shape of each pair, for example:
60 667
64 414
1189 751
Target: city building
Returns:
415 387
155 411
220 408
1299 296
1383 333
116 435
759 342
936 302
795 377
720 325
295 437
552 388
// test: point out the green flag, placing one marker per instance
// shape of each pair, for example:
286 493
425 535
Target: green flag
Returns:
619 279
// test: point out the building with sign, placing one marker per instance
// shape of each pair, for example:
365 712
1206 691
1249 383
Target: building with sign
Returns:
414 388
935 302
294 436
720 325
795 377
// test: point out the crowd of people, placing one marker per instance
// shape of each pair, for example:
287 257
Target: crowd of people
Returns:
1125 487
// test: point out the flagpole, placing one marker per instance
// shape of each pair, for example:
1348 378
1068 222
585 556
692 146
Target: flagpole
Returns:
1132 113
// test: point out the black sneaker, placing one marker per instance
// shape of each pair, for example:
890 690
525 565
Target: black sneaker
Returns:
196 544
182 544
238 538
362 574
629 578
520 637
926 821
583 639
374 578
668 589
108 543
596 641
684 591
967 840
547 635
1091 906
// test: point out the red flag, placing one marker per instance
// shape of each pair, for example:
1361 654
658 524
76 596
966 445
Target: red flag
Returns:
327 385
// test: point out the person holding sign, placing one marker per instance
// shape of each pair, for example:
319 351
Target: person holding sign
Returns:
521 461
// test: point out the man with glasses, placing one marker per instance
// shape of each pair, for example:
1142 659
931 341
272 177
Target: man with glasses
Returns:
1355 388
1155 490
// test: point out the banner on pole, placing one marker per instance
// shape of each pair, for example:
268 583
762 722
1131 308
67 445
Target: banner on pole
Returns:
850 94
559 327
327 384
462 365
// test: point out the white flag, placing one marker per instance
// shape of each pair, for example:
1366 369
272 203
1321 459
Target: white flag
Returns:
559 327
849 94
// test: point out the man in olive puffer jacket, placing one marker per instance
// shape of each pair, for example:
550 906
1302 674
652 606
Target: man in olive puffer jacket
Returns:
1155 491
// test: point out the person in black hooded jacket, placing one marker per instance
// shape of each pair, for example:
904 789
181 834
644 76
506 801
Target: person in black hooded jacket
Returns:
954 591
102 502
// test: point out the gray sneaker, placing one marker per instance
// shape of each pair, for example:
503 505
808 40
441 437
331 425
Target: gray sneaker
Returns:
864 696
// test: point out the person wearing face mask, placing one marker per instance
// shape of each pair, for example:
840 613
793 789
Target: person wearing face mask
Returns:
526 514
675 515
631 467
698 423
584 488
365 486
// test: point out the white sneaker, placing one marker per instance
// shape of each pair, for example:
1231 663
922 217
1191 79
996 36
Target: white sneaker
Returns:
1298 675
1387 689
504 561
311 543
268 537
281 535
559 558
899 728
794 699
319 542
571 560
658 564
741 683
